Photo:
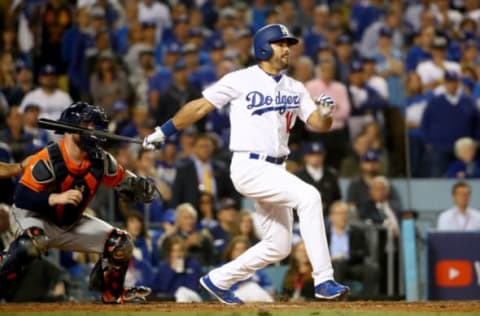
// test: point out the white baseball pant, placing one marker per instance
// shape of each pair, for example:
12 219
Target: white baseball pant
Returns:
276 192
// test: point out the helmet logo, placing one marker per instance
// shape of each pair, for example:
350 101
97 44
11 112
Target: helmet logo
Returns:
284 30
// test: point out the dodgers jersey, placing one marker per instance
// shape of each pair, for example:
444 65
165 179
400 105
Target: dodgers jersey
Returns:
262 110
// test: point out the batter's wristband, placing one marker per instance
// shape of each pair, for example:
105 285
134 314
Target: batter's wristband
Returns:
168 128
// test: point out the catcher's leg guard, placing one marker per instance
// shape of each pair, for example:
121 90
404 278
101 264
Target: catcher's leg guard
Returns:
108 274
31 244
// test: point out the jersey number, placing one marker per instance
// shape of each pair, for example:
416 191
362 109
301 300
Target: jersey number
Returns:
289 117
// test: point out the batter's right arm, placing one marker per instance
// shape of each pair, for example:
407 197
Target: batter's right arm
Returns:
188 114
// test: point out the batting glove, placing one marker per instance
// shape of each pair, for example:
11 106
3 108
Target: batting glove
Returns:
153 140
325 105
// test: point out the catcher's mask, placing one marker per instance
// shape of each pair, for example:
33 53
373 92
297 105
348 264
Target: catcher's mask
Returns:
83 114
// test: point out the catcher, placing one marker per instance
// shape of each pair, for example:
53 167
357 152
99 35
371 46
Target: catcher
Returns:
56 187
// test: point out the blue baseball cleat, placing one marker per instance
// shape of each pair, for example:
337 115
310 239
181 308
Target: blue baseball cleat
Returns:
224 296
330 290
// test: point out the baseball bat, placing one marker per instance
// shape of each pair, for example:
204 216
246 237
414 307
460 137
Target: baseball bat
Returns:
74 129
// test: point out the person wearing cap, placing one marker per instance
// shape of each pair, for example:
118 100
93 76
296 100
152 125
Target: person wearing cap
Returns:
337 137
448 116
140 78
227 212
366 103
244 43
51 100
392 19
372 79
23 83
357 192
344 53
389 65
179 92
156 12
432 71
420 50
323 178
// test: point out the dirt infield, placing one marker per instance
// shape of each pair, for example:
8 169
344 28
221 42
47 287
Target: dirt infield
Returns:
210 308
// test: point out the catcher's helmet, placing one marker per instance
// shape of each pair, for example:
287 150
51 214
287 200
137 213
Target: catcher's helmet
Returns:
269 34
79 112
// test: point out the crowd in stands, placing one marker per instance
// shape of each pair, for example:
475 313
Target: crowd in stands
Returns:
394 68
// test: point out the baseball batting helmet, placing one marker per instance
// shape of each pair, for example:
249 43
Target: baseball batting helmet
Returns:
79 112
269 34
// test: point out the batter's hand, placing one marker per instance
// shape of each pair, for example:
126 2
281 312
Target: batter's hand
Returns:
68 197
325 105
153 140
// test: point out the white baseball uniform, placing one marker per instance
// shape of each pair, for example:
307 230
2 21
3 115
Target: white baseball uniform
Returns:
263 110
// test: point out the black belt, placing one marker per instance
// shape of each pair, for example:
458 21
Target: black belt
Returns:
275 160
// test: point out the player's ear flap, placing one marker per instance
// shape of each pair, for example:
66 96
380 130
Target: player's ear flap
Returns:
42 172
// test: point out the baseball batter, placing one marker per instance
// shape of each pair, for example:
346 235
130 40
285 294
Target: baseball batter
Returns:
264 106
56 187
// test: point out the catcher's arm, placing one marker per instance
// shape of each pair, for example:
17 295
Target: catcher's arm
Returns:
8 170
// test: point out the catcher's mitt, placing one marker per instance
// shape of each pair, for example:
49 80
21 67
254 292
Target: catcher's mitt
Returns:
137 189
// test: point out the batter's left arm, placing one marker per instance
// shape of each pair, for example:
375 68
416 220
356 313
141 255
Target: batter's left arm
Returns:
318 122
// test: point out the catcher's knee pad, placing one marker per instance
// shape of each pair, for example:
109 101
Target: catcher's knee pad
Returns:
108 274
31 244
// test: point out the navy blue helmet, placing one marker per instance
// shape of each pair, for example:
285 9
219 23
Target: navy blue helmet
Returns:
269 34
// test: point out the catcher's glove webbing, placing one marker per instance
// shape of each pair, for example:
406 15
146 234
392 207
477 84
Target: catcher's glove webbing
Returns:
137 189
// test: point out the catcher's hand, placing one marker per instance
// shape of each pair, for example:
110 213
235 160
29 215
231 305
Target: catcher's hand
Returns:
137 189
325 105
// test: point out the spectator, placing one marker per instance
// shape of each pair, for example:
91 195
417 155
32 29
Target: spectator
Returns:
226 215
178 275
420 50
446 118
378 207
373 79
211 176
207 211
108 83
366 103
48 96
7 72
432 71
136 228
379 210
370 41
389 64
257 288
19 141
466 165
351 166
349 251
7 234
23 84
155 12
337 137
322 177
302 69
39 137
345 53
298 281
317 32
198 243
357 193
243 225
461 217
178 93
140 78
416 103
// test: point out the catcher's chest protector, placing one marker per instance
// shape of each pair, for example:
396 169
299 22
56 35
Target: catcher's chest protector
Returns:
87 183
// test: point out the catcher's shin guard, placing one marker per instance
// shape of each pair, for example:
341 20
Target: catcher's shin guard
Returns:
108 274
31 244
